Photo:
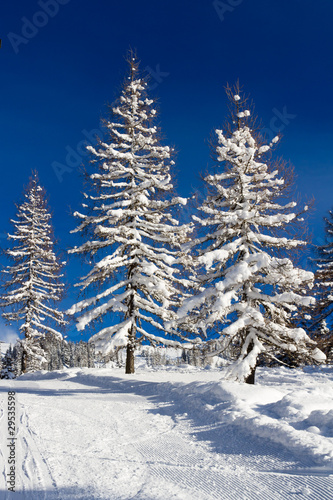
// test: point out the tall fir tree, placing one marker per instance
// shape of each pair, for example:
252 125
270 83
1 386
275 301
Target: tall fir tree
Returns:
250 290
33 286
132 229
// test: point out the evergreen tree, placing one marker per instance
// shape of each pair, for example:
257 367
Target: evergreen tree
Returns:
132 229
52 346
250 289
81 354
323 309
91 355
8 364
67 354
18 358
325 340
33 287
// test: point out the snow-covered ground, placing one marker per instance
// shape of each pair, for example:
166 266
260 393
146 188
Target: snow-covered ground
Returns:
177 433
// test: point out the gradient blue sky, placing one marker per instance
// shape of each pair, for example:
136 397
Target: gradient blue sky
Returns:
56 78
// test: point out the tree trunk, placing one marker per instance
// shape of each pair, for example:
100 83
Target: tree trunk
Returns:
131 333
250 378
130 359
24 362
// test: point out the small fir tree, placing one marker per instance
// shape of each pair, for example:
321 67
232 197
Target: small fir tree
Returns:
32 283
18 353
323 309
8 364
324 337
249 289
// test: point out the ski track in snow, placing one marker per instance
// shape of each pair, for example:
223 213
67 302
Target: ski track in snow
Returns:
86 437
35 472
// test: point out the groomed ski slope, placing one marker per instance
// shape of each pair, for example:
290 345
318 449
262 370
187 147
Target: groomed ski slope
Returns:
182 434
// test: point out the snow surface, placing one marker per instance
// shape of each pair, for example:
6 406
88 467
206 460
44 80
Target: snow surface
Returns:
173 433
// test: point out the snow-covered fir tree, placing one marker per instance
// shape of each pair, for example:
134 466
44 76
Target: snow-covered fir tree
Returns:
18 356
12 362
52 346
325 339
68 354
8 364
33 285
134 239
249 289
323 309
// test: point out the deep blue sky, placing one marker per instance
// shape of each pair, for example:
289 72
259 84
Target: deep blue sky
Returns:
55 84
